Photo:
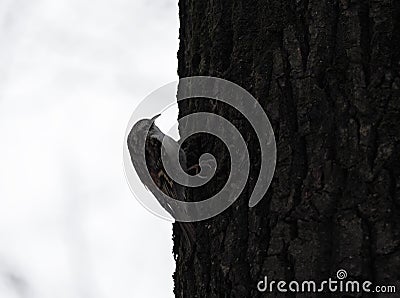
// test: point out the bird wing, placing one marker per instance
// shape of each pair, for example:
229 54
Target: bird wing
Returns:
154 166
162 180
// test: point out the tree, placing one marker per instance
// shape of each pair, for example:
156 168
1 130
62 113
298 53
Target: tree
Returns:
327 74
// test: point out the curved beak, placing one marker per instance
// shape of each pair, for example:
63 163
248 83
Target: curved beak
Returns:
154 118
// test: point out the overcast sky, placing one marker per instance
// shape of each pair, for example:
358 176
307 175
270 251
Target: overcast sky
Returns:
71 74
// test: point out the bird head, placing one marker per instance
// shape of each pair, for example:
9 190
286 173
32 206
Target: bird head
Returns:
140 130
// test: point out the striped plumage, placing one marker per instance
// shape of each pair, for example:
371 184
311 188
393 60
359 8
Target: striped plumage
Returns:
154 166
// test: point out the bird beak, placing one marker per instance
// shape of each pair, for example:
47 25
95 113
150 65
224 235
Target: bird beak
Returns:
154 118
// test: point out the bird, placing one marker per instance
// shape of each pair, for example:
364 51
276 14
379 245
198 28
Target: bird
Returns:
145 138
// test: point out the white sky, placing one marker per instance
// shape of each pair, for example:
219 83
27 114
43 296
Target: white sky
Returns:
71 73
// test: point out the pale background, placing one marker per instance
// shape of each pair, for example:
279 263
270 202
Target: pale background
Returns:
71 73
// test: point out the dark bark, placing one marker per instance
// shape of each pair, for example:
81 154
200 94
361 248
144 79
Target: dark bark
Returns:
327 74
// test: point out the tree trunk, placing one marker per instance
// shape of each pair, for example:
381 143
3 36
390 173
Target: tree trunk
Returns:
327 74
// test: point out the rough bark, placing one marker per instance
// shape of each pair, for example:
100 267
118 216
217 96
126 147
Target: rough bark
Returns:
327 74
